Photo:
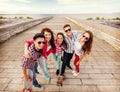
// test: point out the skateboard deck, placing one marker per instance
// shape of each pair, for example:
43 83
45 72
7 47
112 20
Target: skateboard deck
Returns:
28 83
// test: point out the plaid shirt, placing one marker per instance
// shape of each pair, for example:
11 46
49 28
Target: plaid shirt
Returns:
30 62
45 53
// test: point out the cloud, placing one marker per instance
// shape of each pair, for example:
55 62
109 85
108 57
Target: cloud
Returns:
7 7
67 1
63 7
85 1
11 8
89 6
24 1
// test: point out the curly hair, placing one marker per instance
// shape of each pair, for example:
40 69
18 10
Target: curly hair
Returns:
52 38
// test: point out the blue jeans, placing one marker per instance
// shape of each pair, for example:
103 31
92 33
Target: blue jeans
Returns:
35 82
35 67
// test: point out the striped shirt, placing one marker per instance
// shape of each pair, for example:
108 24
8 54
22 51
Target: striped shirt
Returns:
70 42
30 62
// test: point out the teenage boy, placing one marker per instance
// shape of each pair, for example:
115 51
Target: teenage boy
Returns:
28 63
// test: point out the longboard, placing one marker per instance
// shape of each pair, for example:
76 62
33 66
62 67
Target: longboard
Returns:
28 83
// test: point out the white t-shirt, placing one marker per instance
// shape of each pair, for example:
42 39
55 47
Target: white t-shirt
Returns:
78 47
48 48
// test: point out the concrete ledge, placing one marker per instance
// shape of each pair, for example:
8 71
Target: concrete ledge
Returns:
104 32
9 30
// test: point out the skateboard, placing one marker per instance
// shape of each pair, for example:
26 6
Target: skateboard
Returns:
28 83
60 81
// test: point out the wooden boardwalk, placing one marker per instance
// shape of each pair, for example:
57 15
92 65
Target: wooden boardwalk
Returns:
100 71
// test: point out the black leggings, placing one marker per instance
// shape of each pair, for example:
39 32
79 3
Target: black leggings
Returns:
66 61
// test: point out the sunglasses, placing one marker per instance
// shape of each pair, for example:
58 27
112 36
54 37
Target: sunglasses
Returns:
67 30
86 38
40 42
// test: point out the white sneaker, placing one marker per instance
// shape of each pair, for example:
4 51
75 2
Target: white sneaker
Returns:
41 87
73 71
75 74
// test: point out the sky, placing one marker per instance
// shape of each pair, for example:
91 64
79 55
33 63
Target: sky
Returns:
59 6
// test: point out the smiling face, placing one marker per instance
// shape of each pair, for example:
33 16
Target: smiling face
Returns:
59 39
48 36
85 37
39 43
67 30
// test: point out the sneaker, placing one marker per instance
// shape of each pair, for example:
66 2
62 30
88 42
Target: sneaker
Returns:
47 77
37 72
57 72
41 87
73 71
45 68
76 74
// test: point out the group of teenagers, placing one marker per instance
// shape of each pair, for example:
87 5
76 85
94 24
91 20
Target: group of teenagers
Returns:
62 46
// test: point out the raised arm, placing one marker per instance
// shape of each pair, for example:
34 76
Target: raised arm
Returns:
27 53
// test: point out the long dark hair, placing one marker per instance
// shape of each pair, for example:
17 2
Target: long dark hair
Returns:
88 44
64 44
52 38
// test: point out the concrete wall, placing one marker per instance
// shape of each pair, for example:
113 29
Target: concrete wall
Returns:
104 32
9 30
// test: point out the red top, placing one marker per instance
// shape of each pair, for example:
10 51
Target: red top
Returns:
58 49
45 53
